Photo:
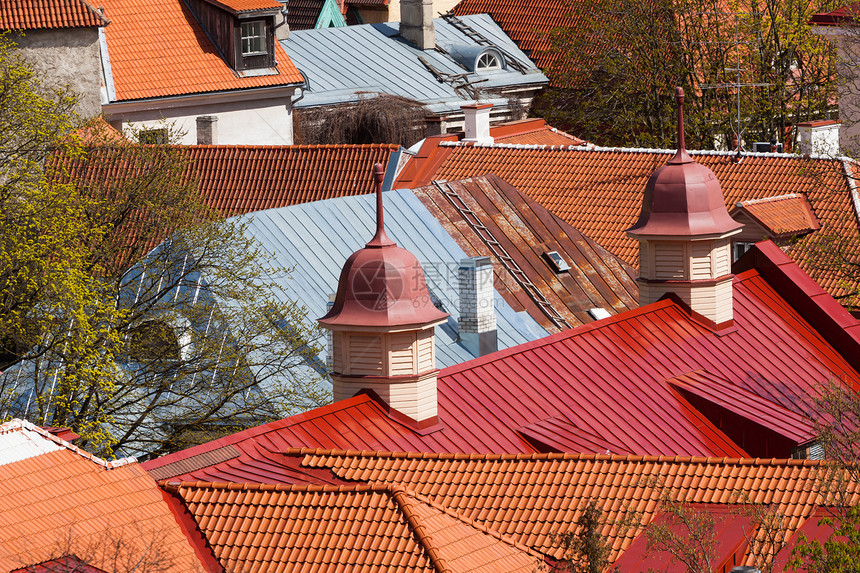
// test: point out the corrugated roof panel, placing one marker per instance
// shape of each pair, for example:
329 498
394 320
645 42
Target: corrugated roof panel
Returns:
343 62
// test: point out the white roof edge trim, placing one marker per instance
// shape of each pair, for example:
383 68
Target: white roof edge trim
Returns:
852 187
18 425
106 69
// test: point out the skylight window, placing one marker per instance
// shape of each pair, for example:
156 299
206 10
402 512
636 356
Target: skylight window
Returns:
253 38
556 261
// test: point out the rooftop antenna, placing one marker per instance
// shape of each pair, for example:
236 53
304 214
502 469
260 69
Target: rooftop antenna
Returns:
737 84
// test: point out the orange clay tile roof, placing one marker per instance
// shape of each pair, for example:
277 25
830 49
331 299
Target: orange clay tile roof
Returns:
265 528
248 5
784 215
157 49
527 22
529 498
47 14
599 190
525 231
236 179
55 494
532 132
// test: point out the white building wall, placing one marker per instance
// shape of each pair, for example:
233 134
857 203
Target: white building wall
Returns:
268 122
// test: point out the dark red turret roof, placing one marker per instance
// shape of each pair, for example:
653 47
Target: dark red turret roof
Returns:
683 198
382 285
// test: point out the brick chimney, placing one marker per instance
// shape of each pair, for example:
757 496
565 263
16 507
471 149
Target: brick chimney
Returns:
416 23
207 130
477 324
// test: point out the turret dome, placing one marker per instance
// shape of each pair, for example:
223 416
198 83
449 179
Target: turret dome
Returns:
683 198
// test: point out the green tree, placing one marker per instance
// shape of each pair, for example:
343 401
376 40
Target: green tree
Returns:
617 69
586 549
138 350
838 426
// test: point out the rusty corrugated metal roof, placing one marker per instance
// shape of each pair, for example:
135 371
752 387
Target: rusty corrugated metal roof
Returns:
525 231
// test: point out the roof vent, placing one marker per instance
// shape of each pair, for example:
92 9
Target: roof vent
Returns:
556 261
598 313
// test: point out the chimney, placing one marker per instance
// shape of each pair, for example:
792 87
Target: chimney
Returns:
819 137
477 122
416 23
282 28
477 324
207 130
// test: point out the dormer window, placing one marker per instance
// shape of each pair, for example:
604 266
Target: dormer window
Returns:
253 38
488 61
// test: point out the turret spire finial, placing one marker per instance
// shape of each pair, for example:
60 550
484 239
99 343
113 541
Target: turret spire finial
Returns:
380 239
681 155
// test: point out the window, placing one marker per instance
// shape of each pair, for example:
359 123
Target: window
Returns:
739 248
253 38
487 61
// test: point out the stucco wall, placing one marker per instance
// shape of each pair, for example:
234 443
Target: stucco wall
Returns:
67 57
269 122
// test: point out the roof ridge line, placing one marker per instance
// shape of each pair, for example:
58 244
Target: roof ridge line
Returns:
651 150
483 528
398 494
95 11
173 486
321 452
769 199
18 424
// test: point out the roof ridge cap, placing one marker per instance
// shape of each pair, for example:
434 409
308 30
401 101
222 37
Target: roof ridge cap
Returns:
398 494
95 11
769 199
18 424
457 456
174 485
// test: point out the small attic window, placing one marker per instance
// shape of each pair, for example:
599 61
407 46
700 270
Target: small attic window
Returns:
556 261
253 38
488 61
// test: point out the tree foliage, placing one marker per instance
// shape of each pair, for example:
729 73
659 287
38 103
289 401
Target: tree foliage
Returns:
138 350
616 70
586 549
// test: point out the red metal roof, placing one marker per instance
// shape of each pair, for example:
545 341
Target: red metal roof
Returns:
599 190
841 16
610 377
158 49
49 14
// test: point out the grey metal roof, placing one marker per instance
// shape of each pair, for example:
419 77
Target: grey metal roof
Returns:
315 239
341 63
